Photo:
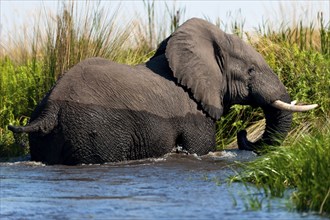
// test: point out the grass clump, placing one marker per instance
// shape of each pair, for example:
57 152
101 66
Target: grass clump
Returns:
303 164
22 87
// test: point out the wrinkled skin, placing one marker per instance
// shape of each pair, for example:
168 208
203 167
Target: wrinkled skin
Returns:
101 111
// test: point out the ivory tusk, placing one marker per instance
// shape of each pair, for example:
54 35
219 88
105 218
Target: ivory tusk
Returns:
292 107
294 102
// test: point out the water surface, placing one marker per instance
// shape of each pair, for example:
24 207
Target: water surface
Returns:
173 187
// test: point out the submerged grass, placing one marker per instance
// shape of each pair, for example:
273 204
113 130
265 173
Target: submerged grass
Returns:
299 55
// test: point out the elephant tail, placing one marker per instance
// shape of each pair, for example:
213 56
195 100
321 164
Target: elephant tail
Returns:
45 122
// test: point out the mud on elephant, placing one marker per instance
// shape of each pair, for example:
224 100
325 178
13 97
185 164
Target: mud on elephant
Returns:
101 111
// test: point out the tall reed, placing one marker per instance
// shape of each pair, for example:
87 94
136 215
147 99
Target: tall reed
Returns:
76 36
315 36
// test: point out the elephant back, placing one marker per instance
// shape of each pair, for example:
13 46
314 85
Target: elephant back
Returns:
111 85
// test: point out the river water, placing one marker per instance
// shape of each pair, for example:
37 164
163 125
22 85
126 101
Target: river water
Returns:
173 187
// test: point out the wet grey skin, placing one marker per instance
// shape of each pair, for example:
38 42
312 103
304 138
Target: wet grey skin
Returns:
101 111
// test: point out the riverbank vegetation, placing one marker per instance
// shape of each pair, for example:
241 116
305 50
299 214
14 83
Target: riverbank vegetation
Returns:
298 54
301 164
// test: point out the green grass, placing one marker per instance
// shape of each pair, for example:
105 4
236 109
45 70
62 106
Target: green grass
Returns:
302 164
298 54
22 87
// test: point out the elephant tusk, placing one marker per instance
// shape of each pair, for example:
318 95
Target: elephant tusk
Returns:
292 107
294 102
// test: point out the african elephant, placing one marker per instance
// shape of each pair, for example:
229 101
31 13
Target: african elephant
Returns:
101 111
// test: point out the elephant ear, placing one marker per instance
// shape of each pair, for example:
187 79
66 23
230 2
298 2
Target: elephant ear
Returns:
195 57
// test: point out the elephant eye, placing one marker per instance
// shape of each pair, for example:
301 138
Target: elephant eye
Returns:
251 70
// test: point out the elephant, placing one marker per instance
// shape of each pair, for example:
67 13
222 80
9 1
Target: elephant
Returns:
101 111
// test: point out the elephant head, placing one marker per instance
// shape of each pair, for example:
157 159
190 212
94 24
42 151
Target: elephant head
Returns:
221 70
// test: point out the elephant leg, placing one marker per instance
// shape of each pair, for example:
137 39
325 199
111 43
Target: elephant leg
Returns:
195 134
47 148
197 143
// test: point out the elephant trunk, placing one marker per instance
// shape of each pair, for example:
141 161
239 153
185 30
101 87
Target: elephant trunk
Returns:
278 123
